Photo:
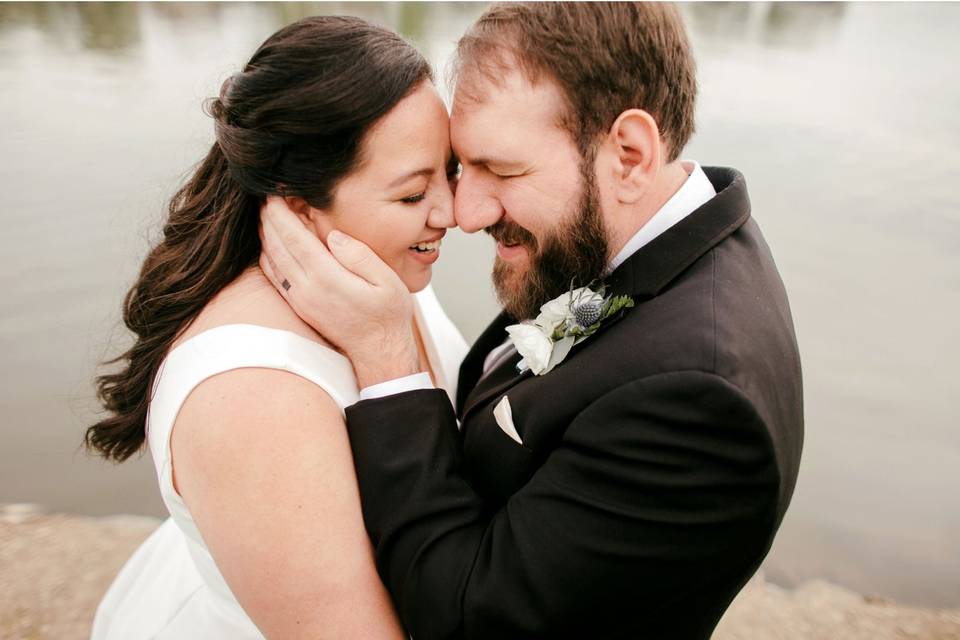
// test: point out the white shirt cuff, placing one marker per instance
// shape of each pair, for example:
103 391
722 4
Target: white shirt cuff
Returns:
398 385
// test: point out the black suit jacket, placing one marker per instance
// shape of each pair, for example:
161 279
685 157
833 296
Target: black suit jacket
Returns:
657 461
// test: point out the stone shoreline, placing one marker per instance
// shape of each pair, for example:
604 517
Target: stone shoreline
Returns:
55 567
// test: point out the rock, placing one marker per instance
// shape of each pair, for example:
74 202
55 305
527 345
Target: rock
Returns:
17 513
55 568
818 610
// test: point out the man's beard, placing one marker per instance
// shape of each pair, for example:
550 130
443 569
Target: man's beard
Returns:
575 255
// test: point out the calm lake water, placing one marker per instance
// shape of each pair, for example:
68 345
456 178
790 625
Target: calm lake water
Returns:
843 117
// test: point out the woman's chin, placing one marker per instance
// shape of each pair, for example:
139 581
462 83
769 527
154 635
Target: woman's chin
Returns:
417 282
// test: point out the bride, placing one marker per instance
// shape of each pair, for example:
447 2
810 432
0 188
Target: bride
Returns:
239 401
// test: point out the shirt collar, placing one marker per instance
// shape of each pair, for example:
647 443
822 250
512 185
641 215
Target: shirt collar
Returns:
692 194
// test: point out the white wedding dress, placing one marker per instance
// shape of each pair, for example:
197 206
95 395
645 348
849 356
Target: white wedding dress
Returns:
171 587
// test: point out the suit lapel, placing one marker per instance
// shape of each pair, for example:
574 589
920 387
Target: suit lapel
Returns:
655 265
494 384
472 367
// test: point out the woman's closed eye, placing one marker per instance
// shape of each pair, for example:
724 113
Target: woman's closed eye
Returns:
414 199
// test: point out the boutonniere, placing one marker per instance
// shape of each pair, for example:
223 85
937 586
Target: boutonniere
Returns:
562 323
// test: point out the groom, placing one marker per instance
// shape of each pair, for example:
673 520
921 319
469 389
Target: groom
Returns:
627 487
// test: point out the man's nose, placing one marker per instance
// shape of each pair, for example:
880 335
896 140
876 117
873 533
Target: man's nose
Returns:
474 206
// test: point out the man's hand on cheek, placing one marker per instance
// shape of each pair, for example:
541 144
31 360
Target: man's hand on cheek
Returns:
345 292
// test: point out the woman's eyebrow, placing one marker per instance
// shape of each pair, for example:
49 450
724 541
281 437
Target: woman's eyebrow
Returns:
413 174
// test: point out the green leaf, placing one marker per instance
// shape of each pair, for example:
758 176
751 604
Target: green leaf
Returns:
616 304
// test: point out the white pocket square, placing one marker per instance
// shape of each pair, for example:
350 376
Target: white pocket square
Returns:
504 417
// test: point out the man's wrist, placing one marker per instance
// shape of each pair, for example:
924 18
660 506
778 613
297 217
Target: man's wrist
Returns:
400 361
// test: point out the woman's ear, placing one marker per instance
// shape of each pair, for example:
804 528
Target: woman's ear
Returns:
634 140
313 219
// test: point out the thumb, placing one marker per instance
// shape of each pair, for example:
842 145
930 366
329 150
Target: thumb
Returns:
358 258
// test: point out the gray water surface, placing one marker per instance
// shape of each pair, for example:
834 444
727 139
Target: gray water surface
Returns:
843 117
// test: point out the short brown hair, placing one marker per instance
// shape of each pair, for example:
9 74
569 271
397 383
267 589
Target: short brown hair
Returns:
605 57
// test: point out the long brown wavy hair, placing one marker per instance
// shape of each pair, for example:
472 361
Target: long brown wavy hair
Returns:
291 123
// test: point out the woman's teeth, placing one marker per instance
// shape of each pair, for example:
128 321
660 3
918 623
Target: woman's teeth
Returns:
425 247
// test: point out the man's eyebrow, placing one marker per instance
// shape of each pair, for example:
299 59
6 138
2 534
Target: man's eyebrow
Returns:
428 171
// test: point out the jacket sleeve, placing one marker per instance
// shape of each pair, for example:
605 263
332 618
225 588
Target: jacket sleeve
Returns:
655 487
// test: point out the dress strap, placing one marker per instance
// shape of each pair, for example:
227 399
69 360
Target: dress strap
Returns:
229 347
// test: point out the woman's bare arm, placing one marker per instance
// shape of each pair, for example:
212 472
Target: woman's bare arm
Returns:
262 459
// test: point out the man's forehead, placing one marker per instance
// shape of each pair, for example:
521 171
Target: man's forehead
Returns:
509 99
479 75
479 87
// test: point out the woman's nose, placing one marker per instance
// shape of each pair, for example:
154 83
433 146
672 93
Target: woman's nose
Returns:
441 214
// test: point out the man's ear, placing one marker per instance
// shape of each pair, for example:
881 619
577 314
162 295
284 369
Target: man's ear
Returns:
635 142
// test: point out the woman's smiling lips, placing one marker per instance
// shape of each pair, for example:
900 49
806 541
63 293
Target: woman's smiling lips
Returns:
427 251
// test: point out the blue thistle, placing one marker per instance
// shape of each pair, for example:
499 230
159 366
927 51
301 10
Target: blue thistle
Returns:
587 313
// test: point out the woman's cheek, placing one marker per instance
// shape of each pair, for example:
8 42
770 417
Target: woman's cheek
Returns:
393 252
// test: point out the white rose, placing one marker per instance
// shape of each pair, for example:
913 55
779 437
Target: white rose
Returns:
533 345
554 312
558 309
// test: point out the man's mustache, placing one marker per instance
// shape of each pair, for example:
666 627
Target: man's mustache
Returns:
510 233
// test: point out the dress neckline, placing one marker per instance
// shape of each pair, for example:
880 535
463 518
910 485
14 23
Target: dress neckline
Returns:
233 326
421 326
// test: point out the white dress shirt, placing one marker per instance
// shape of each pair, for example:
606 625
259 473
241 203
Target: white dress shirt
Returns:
692 194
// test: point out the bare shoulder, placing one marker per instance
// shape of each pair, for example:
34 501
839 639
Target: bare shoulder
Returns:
250 299
244 406
262 460
250 415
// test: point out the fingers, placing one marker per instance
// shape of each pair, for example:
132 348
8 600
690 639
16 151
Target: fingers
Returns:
280 260
270 271
359 259
290 241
